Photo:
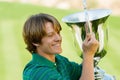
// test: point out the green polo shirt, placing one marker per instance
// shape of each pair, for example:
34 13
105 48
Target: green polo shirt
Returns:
40 68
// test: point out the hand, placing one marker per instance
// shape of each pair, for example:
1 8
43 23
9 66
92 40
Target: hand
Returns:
90 44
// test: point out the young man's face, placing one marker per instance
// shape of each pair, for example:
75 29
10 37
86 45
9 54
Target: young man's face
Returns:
51 43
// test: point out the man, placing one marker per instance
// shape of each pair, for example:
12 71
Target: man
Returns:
41 34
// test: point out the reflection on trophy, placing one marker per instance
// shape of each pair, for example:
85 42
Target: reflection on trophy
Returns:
98 19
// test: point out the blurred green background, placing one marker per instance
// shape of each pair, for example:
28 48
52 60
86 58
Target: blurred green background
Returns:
14 56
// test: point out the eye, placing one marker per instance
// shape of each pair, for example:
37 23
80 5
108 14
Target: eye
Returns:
50 34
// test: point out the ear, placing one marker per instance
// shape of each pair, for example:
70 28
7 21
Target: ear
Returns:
36 44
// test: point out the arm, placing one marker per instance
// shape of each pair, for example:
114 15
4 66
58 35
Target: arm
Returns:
89 46
88 68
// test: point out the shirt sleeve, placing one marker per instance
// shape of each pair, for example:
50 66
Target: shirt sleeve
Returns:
76 70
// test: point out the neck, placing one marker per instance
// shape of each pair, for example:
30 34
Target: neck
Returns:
50 57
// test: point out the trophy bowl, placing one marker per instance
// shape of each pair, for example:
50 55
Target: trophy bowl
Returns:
98 19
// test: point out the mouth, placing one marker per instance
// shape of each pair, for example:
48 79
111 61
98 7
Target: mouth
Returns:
57 48
57 45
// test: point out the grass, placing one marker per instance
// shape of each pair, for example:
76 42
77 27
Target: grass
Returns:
14 56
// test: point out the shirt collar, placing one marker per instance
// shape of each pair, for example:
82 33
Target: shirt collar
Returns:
42 61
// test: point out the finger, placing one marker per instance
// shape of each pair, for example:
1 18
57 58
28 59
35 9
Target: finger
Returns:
93 35
88 38
88 27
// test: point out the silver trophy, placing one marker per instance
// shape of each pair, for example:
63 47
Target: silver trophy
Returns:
98 18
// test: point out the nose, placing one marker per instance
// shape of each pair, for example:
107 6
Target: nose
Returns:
58 37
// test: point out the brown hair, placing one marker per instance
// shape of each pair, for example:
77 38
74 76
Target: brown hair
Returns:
34 29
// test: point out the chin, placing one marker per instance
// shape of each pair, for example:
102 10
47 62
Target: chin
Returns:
58 52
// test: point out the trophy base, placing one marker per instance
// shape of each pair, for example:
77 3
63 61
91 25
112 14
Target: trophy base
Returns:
101 75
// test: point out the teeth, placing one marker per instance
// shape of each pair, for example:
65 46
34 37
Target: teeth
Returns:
57 45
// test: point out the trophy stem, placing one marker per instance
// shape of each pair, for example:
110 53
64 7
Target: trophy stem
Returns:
96 61
98 73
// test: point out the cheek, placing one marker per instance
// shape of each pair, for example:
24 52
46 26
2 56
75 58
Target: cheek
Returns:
47 39
47 42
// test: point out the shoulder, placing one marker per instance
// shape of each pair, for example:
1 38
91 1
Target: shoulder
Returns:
65 61
72 68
